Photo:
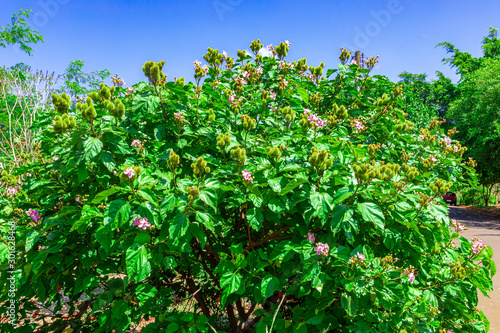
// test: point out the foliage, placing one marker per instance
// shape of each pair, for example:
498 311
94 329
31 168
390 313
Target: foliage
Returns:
424 100
270 196
77 82
23 97
19 32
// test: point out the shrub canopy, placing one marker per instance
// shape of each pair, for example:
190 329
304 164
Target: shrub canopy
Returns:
262 196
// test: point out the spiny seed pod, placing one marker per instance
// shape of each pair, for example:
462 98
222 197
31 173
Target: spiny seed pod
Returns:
274 153
199 167
264 95
180 82
247 122
154 72
320 160
211 115
239 155
301 65
241 55
223 141
282 50
255 46
173 160
61 103
193 192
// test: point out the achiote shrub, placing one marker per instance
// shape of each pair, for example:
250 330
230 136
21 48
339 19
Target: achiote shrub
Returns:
264 196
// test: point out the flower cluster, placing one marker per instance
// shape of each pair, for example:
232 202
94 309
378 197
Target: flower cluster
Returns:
273 95
314 119
358 125
129 172
458 226
200 70
410 272
322 249
136 143
311 238
33 214
240 80
247 176
357 258
11 191
142 223
477 245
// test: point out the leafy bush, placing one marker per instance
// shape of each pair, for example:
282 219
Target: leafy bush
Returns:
264 198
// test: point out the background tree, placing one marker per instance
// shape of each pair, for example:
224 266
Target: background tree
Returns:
18 32
475 110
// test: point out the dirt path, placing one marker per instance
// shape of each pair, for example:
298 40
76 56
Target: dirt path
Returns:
486 229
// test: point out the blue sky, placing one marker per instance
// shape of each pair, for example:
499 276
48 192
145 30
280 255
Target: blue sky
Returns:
121 35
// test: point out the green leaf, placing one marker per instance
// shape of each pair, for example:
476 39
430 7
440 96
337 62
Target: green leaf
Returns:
196 230
82 172
209 197
142 238
144 292
88 213
303 94
117 212
230 282
179 226
277 183
256 197
373 213
292 185
4 252
255 218
343 194
206 220
108 160
138 266
104 194
104 235
269 285
149 195
92 147
322 204
31 239
340 214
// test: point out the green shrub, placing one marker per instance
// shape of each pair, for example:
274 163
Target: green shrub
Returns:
265 197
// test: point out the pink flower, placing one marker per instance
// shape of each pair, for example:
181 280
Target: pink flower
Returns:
322 249
285 83
433 158
231 98
359 125
306 111
310 237
447 141
455 149
178 115
33 214
421 137
129 172
77 199
411 277
240 80
247 176
11 191
142 223
115 172
273 95
353 62
136 143
287 43
270 47
458 226
224 53
245 74
320 123
477 245
358 257
205 70
313 118
260 70
196 64
281 64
